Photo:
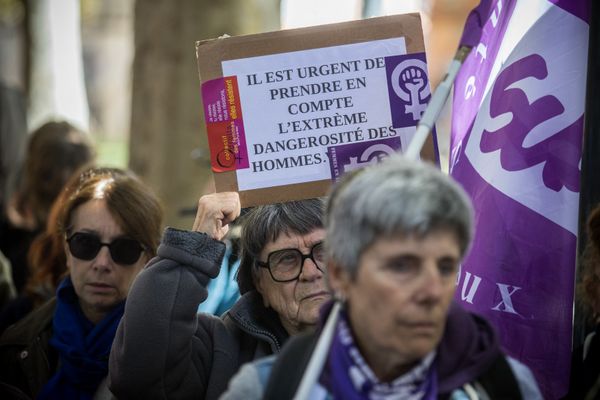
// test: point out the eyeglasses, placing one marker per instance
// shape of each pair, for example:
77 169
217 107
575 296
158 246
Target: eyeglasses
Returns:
86 246
286 265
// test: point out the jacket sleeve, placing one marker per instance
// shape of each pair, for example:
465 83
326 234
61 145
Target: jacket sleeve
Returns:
527 383
250 381
160 351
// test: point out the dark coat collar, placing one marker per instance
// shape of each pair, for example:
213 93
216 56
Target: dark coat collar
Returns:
30 327
251 316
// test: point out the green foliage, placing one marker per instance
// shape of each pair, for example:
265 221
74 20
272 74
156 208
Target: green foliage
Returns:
11 11
113 152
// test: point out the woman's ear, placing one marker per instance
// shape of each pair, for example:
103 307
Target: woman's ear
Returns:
67 255
259 287
339 280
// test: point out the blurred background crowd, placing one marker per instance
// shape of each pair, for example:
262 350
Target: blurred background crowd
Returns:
125 72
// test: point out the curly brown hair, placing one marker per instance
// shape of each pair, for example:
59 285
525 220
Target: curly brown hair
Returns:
590 283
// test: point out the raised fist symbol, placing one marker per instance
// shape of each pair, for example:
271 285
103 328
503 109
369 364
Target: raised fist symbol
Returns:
413 79
410 84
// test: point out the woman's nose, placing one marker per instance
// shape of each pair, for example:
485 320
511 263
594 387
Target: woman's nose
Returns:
432 285
310 270
103 259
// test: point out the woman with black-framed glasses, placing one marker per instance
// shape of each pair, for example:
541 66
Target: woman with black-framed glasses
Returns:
108 224
163 349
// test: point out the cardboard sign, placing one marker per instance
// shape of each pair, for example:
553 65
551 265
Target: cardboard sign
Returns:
289 112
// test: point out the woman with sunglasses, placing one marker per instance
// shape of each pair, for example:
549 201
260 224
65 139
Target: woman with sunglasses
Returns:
110 227
164 349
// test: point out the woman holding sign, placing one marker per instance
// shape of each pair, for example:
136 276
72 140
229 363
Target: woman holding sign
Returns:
164 349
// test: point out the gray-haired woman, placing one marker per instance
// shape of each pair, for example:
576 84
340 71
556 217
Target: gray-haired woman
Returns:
163 349
396 233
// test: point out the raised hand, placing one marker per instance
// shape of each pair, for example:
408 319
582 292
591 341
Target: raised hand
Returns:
215 212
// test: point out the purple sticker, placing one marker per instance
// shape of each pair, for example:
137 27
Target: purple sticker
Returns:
214 97
348 157
408 88
225 124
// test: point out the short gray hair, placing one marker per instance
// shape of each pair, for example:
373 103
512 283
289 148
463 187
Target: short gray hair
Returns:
263 224
396 196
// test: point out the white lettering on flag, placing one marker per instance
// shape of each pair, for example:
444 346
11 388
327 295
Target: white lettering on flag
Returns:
556 111
506 305
472 290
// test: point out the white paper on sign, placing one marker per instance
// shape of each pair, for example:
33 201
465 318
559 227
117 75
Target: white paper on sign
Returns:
296 104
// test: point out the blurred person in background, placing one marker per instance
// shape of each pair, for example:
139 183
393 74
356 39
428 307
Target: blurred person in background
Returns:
109 226
223 290
54 152
585 368
47 260
13 133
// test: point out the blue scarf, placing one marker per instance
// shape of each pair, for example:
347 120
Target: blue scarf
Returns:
347 375
82 346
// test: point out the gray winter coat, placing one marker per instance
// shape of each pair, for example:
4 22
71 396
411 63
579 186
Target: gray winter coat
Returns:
164 349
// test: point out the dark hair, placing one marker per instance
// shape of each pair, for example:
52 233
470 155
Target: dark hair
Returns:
133 205
589 287
55 151
46 256
264 224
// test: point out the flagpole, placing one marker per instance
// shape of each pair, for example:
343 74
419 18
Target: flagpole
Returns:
589 194
319 356
471 36
430 116
436 104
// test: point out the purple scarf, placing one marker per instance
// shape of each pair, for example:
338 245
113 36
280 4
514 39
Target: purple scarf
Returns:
347 375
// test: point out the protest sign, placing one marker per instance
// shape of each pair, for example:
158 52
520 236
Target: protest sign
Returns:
287 112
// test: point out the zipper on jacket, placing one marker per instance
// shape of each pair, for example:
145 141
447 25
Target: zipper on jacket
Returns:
242 324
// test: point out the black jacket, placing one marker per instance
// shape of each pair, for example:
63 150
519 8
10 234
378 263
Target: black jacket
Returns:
27 361
164 349
468 353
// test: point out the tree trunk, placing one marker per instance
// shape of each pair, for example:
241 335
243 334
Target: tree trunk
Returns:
57 86
168 146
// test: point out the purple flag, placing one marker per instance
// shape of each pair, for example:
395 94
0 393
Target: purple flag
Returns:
516 149
475 22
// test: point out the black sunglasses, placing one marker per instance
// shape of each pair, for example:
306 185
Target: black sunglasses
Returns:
86 246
